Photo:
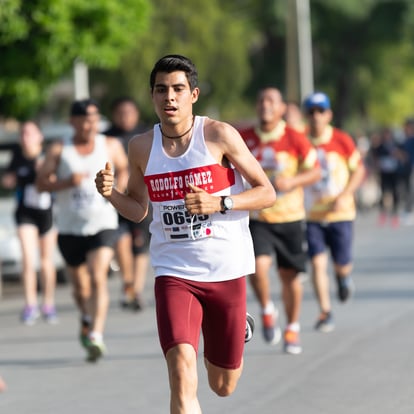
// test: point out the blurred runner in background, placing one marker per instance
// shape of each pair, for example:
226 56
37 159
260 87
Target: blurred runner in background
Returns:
34 220
133 238
86 222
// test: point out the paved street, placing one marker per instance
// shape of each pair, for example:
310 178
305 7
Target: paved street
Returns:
366 366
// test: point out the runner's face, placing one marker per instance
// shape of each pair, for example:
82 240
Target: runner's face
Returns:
86 125
318 119
126 116
30 136
172 97
270 106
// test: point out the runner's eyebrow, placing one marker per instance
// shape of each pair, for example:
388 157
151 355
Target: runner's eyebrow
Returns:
158 85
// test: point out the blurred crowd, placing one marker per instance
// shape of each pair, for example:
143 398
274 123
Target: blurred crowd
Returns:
388 186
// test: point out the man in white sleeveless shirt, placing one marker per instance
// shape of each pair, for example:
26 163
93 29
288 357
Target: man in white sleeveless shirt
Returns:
191 169
86 222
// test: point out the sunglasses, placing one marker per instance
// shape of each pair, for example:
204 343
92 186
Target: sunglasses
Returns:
317 109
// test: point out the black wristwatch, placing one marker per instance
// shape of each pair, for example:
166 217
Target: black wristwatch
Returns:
226 204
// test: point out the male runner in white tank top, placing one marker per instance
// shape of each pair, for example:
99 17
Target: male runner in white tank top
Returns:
86 222
190 168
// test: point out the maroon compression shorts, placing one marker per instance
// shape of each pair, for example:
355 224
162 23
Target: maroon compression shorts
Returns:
218 308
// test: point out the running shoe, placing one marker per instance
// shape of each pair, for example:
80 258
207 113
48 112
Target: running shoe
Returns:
382 220
249 327
270 328
291 343
96 349
30 315
395 221
84 333
345 288
128 296
137 303
325 323
49 314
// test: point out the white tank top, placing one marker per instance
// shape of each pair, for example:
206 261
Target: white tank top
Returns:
204 248
81 210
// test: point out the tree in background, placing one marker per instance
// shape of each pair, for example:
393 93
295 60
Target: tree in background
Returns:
351 40
362 49
268 50
40 39
363 52
216 35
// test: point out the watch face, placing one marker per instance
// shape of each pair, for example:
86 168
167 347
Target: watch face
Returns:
228 203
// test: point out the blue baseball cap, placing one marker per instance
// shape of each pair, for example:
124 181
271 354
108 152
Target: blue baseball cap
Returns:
318 100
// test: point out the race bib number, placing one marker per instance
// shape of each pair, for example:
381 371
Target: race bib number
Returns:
179 225
33 199
83 198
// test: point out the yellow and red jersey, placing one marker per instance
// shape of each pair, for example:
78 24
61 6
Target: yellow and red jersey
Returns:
282 152
338 158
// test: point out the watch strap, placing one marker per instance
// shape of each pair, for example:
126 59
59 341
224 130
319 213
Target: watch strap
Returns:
223 207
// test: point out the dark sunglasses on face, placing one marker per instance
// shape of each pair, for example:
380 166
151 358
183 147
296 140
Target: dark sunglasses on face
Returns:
315 109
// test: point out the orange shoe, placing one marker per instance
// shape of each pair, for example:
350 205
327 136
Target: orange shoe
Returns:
291 342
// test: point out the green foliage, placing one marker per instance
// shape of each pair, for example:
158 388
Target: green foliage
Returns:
350 40
13 27
363 52
354 50
215 37
40 39
268 47
392 93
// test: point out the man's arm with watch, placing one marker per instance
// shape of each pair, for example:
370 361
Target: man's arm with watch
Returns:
227 146
226 204
199 201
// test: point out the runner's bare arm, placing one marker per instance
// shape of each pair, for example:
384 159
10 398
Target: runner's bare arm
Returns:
132 204
46 179
225 142
120 162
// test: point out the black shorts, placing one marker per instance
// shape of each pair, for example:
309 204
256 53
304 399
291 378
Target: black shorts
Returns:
74 249
42 219
139 232
286 240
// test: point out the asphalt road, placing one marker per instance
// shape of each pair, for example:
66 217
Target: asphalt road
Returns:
365 366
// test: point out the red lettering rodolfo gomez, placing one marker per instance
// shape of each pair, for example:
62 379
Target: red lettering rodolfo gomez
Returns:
197 200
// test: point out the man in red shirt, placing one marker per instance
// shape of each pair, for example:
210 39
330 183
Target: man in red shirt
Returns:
330 205
290 161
